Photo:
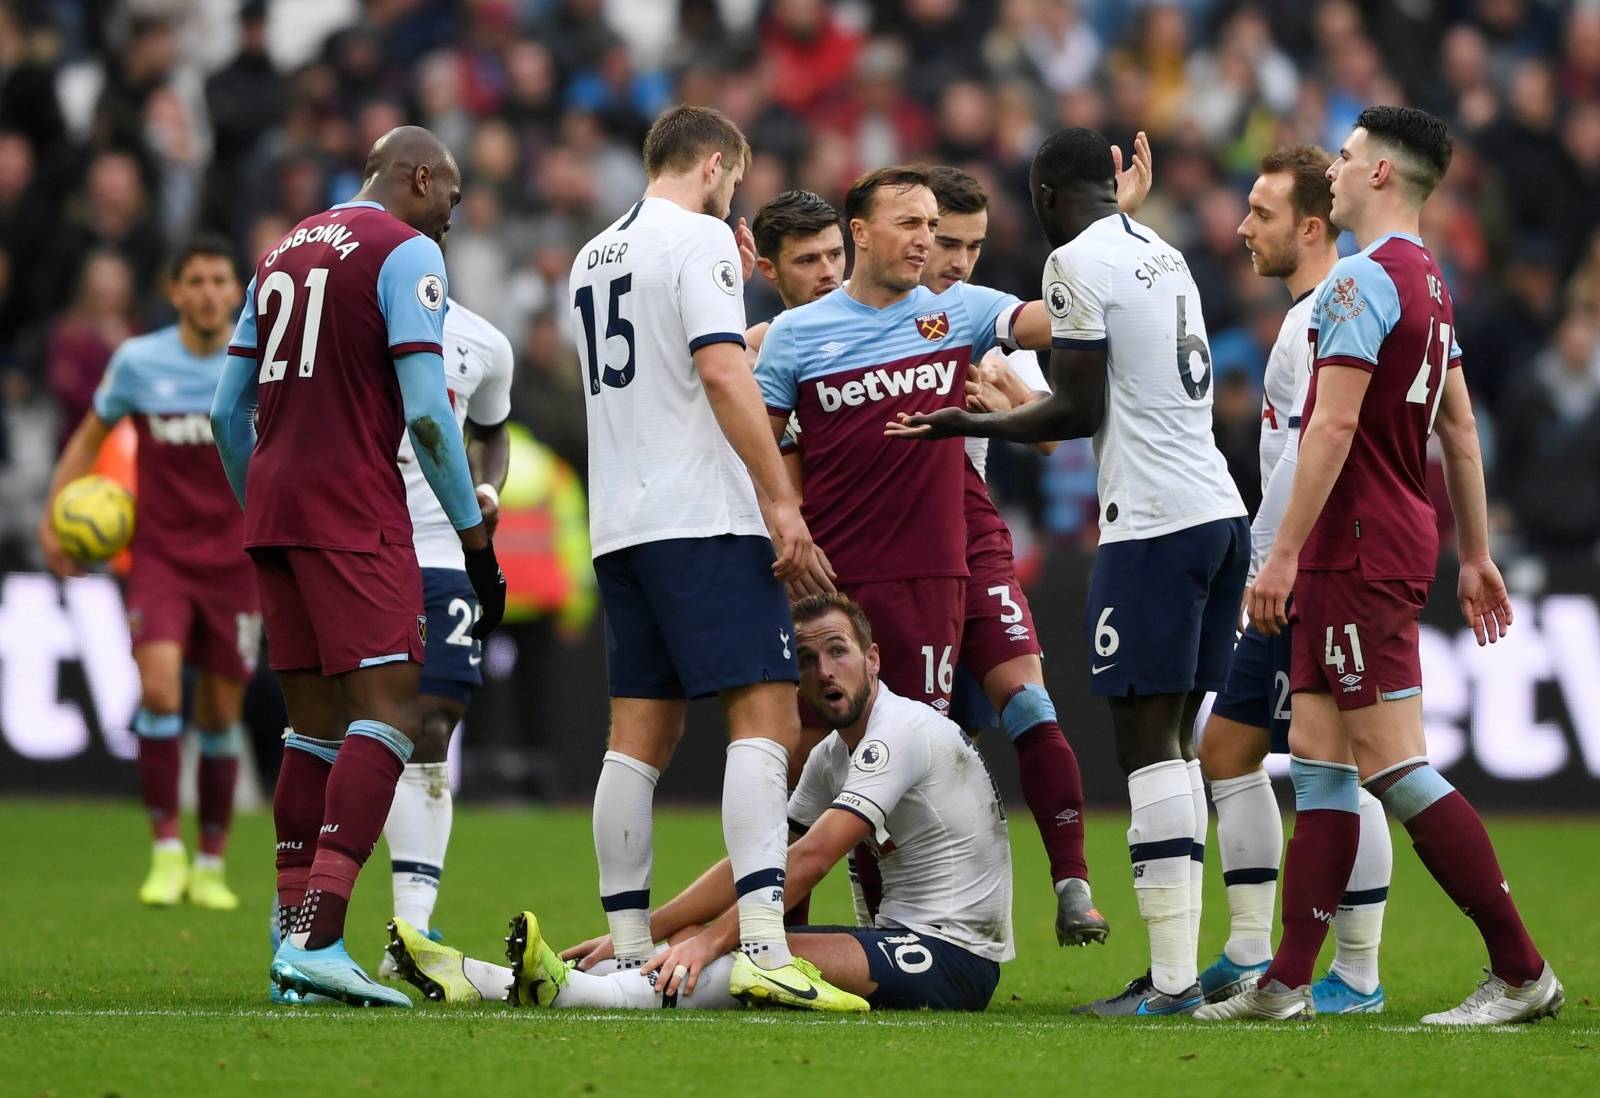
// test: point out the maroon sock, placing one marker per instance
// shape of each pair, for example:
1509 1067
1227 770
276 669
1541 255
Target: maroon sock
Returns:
864 865
1316 868
218 778
356 806
297 814
1451 841
158 783
1053 789
799 914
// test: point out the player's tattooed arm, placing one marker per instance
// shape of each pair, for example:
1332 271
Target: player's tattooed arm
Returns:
1075 409
1324 445
1480 590
233 419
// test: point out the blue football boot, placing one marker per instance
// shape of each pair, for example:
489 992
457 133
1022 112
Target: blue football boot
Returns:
332 972
1333 996
1226 978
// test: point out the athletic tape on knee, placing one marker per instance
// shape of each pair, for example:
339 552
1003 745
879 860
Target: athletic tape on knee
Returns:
1415 792
1324 785
386 734
220 745
1028 708
157 726
326 750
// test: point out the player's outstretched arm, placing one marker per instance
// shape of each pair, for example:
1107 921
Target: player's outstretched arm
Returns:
741 413
834 835
1481 591
75 461
1324 446
1075 409
233 419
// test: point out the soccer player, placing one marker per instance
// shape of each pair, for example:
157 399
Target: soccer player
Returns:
354 298
688 503
1131 368
1358 546
477 374
191 594
1289 236
893 773
799 249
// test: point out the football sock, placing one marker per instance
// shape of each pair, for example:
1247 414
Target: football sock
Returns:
355 804
799 914
1161 844
1051 784
219 777
297 815
1197 856
755 827
1250 840
866 884
418 831
1358 927
158 768
1451 841
1316 868
491 981
623 837
628 990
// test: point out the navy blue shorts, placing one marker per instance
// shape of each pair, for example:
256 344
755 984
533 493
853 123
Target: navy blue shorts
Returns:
918 971
1163 612
1257 692
450 662
969 703
692 617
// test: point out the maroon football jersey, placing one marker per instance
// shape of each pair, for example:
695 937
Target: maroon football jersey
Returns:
328 311
1386 311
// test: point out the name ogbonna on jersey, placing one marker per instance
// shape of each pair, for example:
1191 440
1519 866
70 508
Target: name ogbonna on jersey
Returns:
334 236
886 384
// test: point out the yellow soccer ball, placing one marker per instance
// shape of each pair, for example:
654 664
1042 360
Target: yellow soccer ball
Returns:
93 517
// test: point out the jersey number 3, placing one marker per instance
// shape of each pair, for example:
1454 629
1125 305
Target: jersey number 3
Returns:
617 327
280 285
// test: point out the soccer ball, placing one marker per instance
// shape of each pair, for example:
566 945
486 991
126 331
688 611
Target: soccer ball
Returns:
93 517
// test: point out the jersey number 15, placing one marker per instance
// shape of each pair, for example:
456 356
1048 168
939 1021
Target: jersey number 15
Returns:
617 327
280 285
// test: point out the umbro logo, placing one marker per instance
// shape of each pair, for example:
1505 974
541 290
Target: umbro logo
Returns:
1351 680
1017 632
1066 816
941 704
829 350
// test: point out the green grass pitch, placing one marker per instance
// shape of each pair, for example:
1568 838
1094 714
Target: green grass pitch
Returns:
99 996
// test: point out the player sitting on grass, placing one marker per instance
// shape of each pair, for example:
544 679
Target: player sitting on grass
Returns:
895 774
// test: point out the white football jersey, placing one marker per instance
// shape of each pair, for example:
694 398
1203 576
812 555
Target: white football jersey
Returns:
477 372
937 822
1284 387
1025 364
650 290
1119 286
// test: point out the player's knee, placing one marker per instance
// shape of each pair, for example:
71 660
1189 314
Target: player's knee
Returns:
1224 754
432 742
1135 752
225 744
161 697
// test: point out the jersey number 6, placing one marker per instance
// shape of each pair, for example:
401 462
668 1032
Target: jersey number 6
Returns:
1189 345
617 327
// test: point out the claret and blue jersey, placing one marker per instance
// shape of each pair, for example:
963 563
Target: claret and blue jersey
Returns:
882 508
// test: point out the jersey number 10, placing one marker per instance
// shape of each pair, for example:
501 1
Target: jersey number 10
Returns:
617 327
280 285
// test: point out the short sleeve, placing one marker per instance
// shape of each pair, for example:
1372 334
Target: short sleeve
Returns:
1455 351
411 294
1075 297
1025 364
883 768
992 315
490 404
814 792
243 344
117 393
710 289
778 368
1356 310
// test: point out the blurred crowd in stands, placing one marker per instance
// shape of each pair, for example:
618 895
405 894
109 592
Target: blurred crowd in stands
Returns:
126 124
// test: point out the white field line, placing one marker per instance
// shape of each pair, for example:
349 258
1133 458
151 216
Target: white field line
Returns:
1153 1028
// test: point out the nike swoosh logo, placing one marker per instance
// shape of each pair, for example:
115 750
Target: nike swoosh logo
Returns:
1097 670
808 993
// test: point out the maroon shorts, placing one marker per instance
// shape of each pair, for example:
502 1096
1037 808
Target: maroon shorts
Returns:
917 626
1356 638
333 611
214 617
999 624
